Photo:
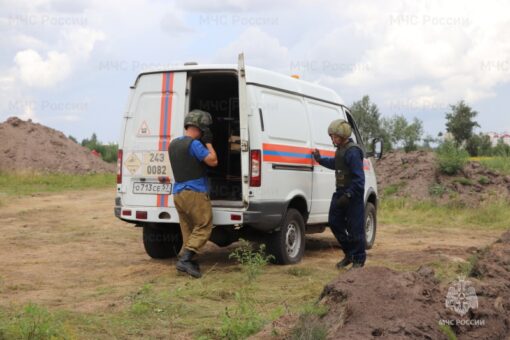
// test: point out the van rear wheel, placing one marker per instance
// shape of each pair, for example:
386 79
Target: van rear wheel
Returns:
287 245
162 242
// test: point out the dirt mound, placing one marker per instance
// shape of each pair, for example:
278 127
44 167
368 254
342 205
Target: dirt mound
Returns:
416 175
28 146
377 302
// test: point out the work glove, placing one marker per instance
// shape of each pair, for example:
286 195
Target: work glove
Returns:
343 201
207 136
316 155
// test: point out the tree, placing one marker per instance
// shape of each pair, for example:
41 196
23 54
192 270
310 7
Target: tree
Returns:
400 132
501 149
367 117
428 141
460 123
412 134
479 145
108 151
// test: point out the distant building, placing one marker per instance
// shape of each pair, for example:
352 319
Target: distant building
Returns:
495 137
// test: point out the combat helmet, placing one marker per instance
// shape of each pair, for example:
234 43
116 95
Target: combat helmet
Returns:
340 128
200 119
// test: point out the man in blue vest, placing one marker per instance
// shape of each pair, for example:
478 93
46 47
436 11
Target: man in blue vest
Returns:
189 156
347 209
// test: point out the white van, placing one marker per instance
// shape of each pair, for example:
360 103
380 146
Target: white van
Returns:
266 187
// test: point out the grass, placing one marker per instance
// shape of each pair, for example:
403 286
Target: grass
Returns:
448 331
428 214
229 302
20 184
393 189
499 164
448 271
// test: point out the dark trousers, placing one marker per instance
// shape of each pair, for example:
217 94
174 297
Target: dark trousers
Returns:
347 224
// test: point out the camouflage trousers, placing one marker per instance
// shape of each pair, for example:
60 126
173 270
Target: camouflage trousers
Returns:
195 215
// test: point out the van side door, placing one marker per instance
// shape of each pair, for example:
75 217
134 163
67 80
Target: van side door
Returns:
323 182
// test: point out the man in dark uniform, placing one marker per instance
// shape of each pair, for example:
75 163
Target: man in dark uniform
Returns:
189 156
347 209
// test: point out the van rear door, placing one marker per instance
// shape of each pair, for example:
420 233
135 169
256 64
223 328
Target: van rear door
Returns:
243 124
156 115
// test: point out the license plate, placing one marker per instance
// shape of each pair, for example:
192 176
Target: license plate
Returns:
152 188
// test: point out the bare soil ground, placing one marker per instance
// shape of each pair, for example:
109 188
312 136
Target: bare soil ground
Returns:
68 251
28 146
416 175
377 302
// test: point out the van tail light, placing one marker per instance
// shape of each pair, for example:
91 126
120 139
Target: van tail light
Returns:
255 167
119 167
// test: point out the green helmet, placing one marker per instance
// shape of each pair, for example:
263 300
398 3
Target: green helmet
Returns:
198 118
340 128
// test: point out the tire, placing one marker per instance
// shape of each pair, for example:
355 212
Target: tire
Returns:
370 225
162 242
287 245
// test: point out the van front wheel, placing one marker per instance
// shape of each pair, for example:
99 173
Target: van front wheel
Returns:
162 242
370 225
287 245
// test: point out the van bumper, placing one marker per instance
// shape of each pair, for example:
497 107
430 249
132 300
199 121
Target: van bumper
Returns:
265 216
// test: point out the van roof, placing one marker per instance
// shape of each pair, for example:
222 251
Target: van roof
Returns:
266 78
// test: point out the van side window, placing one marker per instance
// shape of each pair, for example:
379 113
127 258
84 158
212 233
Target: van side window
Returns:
321 115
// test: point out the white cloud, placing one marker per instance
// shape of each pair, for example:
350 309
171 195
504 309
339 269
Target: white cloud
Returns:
38 71
260 49
429 51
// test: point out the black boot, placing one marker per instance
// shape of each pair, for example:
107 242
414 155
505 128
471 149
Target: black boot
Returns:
185 264
357 264
344 263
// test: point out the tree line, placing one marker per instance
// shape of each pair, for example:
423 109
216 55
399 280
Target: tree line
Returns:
399 133
108 152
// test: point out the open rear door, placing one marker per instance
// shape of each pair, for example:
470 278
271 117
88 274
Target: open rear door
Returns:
243 123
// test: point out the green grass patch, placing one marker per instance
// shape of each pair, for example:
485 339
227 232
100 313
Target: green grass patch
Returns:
33 322
19 184
437 190
499 164
429 214
483 180
447 271
393 189
448 331
308 326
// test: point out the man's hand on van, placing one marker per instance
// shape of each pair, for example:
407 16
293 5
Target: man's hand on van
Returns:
207 136
316 155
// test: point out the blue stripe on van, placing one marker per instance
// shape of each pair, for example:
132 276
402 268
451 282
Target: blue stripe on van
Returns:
287 154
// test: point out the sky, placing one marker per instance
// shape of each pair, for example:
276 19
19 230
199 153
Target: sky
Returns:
69 64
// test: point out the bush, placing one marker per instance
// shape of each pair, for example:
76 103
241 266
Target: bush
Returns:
451 158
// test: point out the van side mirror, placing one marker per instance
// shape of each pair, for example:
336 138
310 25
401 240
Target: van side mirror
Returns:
376 149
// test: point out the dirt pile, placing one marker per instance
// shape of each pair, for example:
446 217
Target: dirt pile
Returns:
28 146
416 175
377 302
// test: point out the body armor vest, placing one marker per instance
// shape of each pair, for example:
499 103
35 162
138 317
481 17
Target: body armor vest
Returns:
343 174
184 166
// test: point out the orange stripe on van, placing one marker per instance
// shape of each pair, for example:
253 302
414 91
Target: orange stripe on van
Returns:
165 121
278 153
366 165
